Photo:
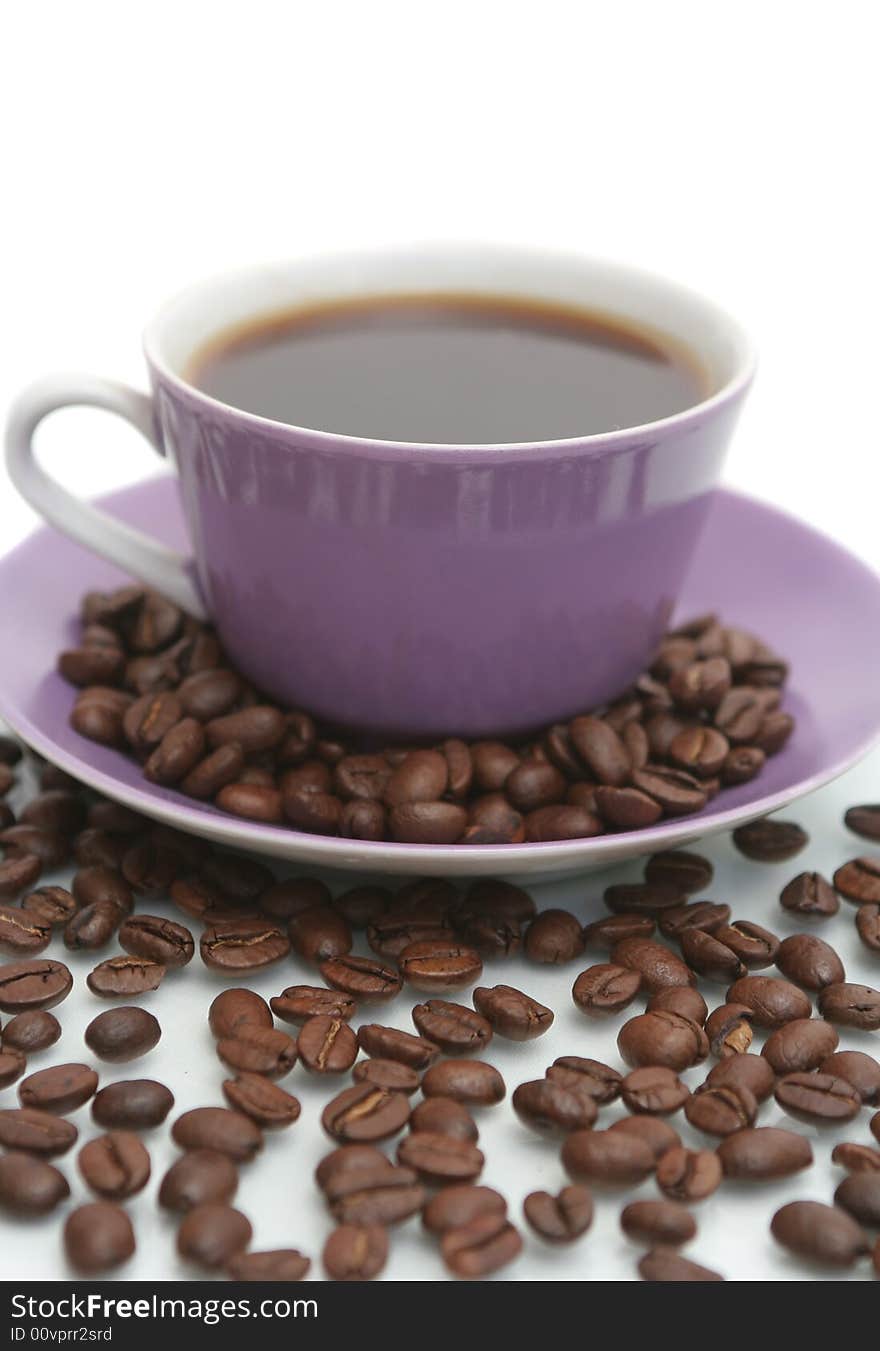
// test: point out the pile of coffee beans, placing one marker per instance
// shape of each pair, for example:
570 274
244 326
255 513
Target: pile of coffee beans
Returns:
691 990
156 685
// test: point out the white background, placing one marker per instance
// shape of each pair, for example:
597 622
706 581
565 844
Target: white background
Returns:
731 146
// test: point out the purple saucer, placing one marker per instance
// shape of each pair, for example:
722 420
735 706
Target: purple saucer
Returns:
759 568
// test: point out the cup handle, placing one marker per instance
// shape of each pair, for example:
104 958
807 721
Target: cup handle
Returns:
145 558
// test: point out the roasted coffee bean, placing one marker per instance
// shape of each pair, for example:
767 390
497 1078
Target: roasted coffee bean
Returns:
349 1159
820 1233
654 1091
627 808
534 784
601 750
700 684
665 1264
327 1045
763 1153
562 1218
490 937
605 989
704 915
810 894
36 984
233 1010
652 1131
211 1234
664 1222
12 1066
97 715
98 1237
492 820
35 1131
122 1034
179 751
662 1038
61 1088
18 874
92 927
605 933
259 1050
58 809
658 967
684 872
95 848
158 939
215 772
710 958
242 880
365 1113
845 1004
818 1098
299 1002
677 792
427 822
721 1110
361 977
264 1102
858 1069
364 777
440 1159
119 977
281 1264
801 1045
568 821
552 1107
362 906
51 905
607 1158
355 1252
440 966
754 946
457 1030
809 961
391 933
683 1000
868 926
198 1177
729 1030
591 1077
284 900
387 1043
255 729
421 777
744 763
132 1104
22 933
150 867
859 1196
240 946
209 694
864 821
150 718
772 1001
643 898
856 1158
374 1194
386 1074
30 1032
473 1082
480 1247
701 751
30 1186
513 1015
688 1174
442 1116
554 937
115 1166
220 1129
318 934
456 1206
768 841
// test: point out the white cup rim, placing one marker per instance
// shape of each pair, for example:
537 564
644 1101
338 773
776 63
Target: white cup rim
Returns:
192 318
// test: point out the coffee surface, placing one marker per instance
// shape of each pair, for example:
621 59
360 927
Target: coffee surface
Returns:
449 369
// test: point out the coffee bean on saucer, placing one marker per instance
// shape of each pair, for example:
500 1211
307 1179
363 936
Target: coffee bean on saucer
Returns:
567 821
665 1264
553 1108
562 1218
809 894
763 1153
158 939
98 1237
864 821
860 1070
688 1174
218 1128
29 1185
120 977
122 1034
197 1177
868 926
801 1045
480 1247
355 1252
851 1005
269 1105
680 870
60 1088
115 1166
30 1032
132 1104
234 1009
770 841
858 880
652 1222
820 1233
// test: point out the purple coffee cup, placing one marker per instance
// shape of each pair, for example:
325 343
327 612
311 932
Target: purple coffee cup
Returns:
412 589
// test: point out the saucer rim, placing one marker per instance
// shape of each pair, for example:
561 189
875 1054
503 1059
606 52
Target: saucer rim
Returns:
592 852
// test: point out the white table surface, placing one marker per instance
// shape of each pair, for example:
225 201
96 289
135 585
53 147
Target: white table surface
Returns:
278 1194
